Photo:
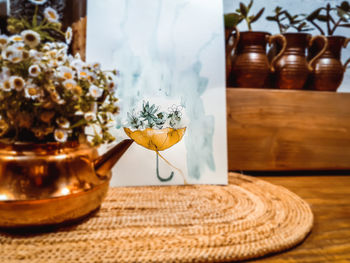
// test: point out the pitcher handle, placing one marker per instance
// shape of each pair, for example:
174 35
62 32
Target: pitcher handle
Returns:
325 45
272 39
345 45
238 36
229 48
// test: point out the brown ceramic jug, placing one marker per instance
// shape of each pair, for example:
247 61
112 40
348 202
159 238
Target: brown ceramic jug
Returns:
250 66
292 68
329 71
228 51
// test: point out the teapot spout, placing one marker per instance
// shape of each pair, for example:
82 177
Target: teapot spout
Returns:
104 163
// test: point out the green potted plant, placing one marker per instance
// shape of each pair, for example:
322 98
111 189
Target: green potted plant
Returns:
250 66
329 71
292 69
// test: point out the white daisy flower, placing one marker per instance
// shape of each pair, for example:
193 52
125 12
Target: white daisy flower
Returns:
34 70
69 84
3 41
90 116
69 35
83 74
17 83
61 58
95 91
31 38
16 58
19 46
15 38
38 2
6 85
65 72
63 122
12 54
61 135
51 15
32 91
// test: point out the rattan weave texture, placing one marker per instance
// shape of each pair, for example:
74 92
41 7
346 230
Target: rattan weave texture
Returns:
248 218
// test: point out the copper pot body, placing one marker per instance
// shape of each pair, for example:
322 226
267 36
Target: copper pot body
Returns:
292 69
250 66
48 184
329 71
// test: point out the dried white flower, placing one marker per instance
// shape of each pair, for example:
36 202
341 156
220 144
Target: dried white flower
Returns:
34 70
51 15
32 91
69 35
31 38
60 135
95 91
17 83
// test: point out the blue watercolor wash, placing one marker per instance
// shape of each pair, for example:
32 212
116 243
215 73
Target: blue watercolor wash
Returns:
155 73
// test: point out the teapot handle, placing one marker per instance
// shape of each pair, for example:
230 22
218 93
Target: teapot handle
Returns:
345 45
272 39
325 45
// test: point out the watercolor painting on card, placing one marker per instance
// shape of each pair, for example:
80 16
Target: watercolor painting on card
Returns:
171 65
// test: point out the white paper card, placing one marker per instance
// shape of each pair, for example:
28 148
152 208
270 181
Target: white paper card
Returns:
170 53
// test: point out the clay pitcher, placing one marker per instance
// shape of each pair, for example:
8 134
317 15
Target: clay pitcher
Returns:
250 66
228 52
329 71
292 68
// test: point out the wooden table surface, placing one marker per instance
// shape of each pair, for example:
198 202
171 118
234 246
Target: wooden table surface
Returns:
329 198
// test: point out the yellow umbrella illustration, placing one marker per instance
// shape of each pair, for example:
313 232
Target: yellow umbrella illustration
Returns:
158 140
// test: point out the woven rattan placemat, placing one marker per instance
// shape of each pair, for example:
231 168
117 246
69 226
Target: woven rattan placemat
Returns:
246 219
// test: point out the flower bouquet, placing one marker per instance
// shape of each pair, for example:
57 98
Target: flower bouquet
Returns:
53 108
46 94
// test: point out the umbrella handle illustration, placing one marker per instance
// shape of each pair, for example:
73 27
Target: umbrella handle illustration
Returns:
172 173
158 175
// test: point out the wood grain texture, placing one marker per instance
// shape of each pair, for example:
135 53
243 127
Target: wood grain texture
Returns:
288 130
329 197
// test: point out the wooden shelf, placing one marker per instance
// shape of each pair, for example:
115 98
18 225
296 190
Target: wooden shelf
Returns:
272 129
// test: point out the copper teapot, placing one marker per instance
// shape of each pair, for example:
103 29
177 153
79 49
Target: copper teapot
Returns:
46 184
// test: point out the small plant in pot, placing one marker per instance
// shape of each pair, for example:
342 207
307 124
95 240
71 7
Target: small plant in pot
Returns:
329 71
250 66
292 68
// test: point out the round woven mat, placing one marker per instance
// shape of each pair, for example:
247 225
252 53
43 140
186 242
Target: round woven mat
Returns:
246 219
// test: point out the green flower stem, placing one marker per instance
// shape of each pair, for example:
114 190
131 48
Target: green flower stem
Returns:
35 16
